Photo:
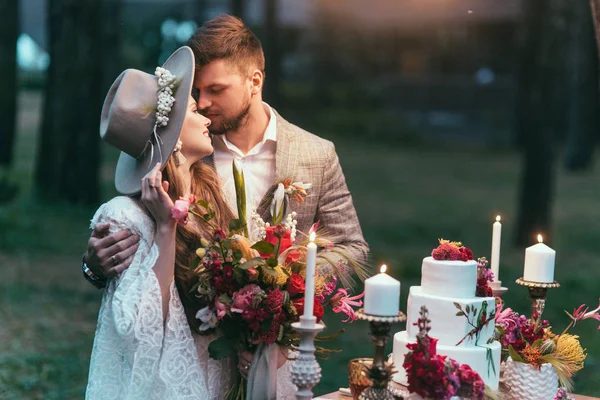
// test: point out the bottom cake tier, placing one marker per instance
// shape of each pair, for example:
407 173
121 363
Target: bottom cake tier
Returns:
476 357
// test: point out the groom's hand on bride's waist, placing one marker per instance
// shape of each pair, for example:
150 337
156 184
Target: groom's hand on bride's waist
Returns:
109 254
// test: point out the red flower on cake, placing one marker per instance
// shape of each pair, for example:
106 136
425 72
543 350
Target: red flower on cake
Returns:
446 252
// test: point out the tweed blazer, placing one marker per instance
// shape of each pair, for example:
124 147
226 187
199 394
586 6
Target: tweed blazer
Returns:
305 157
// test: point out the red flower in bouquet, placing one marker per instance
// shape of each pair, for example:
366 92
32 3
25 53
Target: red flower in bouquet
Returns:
295 285
317 309
274 301
274 235
292 257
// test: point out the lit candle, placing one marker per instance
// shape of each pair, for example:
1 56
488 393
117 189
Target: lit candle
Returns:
309 286
382 295
539 263
495 262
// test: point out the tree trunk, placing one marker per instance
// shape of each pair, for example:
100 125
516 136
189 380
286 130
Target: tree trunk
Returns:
69 152
272 52
237 8
9 33
583 89
541 115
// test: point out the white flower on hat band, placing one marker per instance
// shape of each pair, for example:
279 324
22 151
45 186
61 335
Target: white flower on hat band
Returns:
178 146
166 86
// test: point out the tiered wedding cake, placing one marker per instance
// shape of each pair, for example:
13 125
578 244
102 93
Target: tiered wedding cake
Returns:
462 323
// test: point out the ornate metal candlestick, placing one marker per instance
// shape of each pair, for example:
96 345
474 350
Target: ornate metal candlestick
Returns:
306 371
537 294
381 371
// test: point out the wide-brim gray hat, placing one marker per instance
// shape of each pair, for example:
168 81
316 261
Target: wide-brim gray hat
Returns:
131 117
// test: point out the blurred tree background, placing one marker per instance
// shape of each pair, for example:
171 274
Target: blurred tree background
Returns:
444 113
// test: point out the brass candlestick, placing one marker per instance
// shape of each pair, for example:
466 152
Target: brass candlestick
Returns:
537 294
380 371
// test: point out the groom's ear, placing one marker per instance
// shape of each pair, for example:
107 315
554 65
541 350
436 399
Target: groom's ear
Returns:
256 81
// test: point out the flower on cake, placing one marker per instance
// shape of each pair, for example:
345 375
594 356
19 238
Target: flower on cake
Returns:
484 277
434 376
451 251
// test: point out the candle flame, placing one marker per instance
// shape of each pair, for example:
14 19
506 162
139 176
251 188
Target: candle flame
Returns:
383 269
540 239
312 237
498 218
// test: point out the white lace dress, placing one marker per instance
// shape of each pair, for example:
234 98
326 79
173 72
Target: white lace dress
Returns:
136 353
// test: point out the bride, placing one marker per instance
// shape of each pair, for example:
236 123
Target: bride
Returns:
147 344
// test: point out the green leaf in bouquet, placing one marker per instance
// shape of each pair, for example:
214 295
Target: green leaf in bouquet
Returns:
239 276
222 347
256 261
237 256
514 354
263 247
269 271
195 263
272 262
225 299
236 226
204 204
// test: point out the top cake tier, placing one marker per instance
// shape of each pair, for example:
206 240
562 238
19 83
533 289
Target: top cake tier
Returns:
449 278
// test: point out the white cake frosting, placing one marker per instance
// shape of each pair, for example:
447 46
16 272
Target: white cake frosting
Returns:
445 325
449 278
475 357
445 284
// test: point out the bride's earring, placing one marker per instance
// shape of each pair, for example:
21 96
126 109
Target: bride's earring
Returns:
177 153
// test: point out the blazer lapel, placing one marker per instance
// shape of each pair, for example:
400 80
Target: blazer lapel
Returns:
285 162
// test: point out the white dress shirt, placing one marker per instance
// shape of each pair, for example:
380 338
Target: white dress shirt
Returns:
258 166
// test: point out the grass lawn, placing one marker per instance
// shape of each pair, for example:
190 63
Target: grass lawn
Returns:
406 198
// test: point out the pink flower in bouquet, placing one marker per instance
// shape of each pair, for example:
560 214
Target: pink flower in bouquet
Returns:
242 299
342 303
219 234
252 274
220 309
180 209
295 285
581 313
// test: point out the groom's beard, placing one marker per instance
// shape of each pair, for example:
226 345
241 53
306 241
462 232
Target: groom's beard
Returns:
228 124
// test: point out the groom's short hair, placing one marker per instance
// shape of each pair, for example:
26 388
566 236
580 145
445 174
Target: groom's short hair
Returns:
227 38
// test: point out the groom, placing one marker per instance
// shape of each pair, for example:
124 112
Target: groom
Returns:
267 148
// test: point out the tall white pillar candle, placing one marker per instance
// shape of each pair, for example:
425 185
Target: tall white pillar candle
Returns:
539 263
382 295
309 286
495 262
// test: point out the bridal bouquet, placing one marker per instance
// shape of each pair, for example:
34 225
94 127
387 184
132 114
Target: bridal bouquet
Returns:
253 292
531 341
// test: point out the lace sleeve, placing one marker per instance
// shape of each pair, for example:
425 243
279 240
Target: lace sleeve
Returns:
137 354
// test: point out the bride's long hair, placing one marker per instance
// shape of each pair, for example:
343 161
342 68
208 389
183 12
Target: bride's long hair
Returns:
206 186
